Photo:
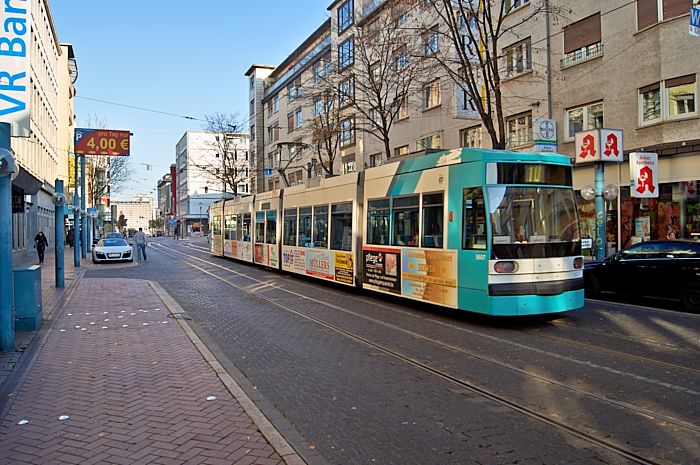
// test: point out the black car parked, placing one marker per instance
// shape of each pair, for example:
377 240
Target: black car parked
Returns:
666 269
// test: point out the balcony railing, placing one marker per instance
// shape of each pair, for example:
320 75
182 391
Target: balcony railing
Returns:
370 5
300 65
582 54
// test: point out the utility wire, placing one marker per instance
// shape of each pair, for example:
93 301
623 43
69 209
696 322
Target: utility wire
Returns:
141 108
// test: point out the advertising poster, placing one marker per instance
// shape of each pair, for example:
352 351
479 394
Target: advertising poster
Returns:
259 254
272 256
642 227
344 268
243 250
382 269
217 245
430 275
227 248
294 260
319 264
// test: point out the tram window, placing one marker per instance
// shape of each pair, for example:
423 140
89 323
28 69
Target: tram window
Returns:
216 225
320 231
378 221
474 218
260 227
229 227
271 228
290 227
433 214
246 227
341 226
405 224
305 227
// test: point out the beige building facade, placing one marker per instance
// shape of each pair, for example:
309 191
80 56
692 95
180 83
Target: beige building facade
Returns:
585 65
43 155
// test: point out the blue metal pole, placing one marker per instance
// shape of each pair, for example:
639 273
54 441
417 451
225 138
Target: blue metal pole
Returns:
59 241
600 239
76 220
83 218
89 233
7 291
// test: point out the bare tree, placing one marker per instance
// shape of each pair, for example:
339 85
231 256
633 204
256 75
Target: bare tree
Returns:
473 31
324 129
386 69
233 167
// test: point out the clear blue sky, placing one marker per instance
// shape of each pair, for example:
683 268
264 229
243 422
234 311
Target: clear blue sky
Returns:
174 56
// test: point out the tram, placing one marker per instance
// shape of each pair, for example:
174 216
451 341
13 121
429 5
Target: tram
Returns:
486 231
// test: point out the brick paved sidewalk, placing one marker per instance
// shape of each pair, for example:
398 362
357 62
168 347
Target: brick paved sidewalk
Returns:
135 388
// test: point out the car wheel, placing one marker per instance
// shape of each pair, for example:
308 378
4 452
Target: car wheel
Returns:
691 298
592 287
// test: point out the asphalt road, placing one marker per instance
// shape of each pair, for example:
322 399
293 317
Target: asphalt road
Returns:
352 378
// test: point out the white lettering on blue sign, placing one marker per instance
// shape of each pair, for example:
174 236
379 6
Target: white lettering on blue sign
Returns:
695 21
15 65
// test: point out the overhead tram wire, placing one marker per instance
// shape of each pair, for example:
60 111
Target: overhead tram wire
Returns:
192 118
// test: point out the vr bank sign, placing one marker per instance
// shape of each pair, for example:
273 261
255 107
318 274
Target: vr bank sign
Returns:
695 21
15 64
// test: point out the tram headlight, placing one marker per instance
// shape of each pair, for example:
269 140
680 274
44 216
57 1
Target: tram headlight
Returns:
505 267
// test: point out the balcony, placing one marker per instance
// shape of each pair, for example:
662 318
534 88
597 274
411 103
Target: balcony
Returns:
582 54
370 5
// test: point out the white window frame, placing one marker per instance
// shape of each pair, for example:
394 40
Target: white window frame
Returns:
585 109
665 103
526 130
471 137
517 4
431 90
510 62
298 118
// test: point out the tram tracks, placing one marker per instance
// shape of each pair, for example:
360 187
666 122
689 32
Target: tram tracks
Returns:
463 383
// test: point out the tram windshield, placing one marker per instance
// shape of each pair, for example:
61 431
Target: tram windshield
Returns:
533 222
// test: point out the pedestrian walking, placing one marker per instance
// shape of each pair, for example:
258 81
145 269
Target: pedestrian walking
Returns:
176 235
40 244
70 236
140 240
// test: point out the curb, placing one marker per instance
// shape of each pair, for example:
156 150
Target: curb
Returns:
276 440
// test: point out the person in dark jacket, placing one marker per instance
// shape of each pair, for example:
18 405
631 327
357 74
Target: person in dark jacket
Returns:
70 237
40 243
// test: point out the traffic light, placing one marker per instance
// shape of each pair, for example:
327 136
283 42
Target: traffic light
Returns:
206 189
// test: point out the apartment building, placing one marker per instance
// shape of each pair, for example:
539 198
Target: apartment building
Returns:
42 145
628 65
207 164
138 212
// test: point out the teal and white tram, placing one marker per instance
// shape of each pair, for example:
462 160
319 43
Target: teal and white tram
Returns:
485 231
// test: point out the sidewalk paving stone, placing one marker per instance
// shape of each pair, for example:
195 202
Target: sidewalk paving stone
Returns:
135 388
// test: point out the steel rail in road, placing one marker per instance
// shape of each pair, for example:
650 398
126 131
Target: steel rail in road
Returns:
464 383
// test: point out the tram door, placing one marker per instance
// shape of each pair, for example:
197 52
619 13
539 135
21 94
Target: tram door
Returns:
473 249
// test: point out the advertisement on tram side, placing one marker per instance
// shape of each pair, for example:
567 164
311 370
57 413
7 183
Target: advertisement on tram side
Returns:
382 269
429 275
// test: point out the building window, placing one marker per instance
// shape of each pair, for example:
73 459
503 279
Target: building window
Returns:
375 159
433 141
346 91
583 119
654 11
290 122
431 41
582 41
345 16
349 164
323 68
294 90
515 4
299 118
670 99
318 106
346 53
276 103
518 58
470 137
431 95
347 132
401 151
273 133
519 130
403 112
